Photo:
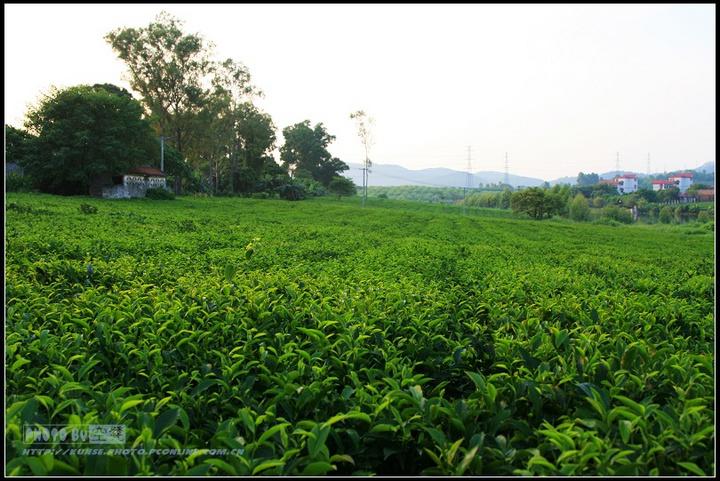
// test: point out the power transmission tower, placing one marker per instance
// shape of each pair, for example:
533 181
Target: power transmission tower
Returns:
507 174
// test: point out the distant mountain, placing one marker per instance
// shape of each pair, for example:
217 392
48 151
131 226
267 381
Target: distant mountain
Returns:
391 175
707 167
564 180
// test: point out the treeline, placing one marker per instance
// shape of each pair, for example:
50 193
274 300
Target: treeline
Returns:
593 203
421 193
216 140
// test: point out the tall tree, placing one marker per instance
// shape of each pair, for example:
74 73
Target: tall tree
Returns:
587 179
238 120
305 148
169 69
364 124
85 133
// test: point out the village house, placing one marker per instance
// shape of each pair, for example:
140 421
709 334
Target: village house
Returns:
134 183
681 181
625 184
658 185
703 195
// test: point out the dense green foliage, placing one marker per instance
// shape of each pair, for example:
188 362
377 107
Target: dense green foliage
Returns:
85 133
305 152
342 186
579 208
588 179
19 145
538 203
158 193
403 338
419 193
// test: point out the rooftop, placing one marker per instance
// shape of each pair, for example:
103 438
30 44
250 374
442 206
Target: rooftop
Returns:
149 171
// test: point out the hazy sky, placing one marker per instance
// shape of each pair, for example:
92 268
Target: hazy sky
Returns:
560 88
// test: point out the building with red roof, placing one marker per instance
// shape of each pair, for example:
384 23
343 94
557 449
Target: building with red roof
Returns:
134 183
682 181
625 184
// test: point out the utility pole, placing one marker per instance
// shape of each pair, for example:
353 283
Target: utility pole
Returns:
162 153
163 138
649 172
507 174
617 162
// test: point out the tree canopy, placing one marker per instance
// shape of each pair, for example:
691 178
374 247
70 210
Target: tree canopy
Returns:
305 149
84 132
342 186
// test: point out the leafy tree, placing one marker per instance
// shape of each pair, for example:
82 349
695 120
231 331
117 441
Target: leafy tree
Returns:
648 194
530 201
272 176
291 191
114 89
169 69
20 145
305 148
256 132
666 195
579 209
618 214
588 179
505 198
666 214
342 186
85 133
537 202
311 186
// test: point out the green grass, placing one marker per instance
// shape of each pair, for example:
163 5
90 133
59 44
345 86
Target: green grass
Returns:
319 337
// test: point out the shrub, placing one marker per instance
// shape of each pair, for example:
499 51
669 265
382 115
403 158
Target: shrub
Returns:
342 186
311 187
88 209
15 182
704 216
158 193
291 192
579 209
666 214
618 214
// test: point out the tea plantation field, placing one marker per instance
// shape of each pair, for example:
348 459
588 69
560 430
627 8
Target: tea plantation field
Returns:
318 337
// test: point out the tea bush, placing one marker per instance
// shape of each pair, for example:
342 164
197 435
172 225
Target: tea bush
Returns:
158 193
320 337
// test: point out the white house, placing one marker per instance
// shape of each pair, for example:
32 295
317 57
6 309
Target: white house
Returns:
134 183
626 183
658 185
682 181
